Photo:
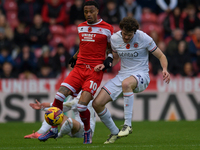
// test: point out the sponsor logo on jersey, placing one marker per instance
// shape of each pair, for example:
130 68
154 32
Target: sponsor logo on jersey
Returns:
135 45
127 55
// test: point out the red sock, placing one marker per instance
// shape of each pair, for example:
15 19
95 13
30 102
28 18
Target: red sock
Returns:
58 104
85 117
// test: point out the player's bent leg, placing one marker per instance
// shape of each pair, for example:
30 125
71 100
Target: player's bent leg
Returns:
125 131
66 128
99 105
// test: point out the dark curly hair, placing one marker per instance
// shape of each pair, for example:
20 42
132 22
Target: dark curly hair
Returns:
90 3
129 24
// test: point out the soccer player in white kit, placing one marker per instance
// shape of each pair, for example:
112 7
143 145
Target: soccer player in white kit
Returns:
69 126
132 46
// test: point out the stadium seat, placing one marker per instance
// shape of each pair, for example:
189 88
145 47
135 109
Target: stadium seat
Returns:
10 6
71 29
148 27
68 5
148 18
12 19
71 40
57 30
116 27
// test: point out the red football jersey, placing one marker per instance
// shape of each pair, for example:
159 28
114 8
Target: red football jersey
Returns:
93 42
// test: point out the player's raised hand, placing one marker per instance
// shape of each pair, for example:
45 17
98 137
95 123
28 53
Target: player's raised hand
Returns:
39 105
36 105
99 67
166 76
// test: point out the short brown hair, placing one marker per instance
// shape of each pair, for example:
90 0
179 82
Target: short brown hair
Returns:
129 24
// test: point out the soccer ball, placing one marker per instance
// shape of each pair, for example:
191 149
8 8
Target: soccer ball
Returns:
54 116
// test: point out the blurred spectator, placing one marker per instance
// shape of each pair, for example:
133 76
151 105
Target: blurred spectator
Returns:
179 59
27 75
172 46
155 36
2 10
194 45
53 12
111 13
192 20
27 10
5 57
39 34
182 4
8 30
7 71
172 21
188 70
20 35
5 42
26 60
132 9
167 5
151 4
75 48
61 58
45 59
46 72
76 12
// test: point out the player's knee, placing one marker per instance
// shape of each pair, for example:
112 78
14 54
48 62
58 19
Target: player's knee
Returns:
96 105
81 107
126 85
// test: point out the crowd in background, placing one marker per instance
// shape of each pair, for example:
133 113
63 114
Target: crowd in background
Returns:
37 37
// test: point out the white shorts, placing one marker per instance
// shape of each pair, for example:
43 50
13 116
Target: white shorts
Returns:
114 86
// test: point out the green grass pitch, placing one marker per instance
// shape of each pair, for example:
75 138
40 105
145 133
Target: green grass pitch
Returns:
161 135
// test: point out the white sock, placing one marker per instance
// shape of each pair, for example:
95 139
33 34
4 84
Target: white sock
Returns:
66 128
128 107
106 118
54 130
44 128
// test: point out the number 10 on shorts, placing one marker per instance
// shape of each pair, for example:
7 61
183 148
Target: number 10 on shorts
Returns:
93 85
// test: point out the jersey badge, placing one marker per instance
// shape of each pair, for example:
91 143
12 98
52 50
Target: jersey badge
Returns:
127 46
135 45
90 29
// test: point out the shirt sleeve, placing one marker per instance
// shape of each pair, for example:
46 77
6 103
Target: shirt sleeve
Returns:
151 45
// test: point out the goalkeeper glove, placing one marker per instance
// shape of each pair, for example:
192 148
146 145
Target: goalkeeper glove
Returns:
72 61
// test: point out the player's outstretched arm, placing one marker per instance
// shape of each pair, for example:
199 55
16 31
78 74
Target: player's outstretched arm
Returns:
164 63
39 105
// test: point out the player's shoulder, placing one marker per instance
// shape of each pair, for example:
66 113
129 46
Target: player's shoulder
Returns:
142 36
116 35
116 38
105 25
83 24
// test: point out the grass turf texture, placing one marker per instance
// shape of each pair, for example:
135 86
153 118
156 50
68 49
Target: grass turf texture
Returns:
183 135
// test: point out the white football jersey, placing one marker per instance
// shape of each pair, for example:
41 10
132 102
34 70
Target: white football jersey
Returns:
135 54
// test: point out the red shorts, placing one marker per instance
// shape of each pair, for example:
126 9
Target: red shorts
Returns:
83 77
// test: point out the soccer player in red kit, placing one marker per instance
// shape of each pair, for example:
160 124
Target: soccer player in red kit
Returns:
94 35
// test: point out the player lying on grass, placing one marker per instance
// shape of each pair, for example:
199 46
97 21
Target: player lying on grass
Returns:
70 126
